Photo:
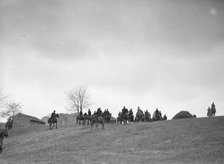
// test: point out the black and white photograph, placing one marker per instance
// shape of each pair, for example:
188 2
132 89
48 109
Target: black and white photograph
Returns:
111 81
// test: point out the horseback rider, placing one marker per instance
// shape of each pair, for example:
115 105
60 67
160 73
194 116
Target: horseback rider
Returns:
53 115
97 118
99 112
213 109
147 115
131 115
80 113
89 112
124 110
106 115
9 123
209 112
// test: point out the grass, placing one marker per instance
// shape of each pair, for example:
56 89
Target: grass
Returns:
196 140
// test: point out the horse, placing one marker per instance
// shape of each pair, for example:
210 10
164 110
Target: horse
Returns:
139 116
80 118
9 124
157 116
130 116
87 119
3 133
106 116
211 112
53 122
124 118
95 120
119 119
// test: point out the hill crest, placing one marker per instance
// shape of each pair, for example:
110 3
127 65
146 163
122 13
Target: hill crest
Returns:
174 141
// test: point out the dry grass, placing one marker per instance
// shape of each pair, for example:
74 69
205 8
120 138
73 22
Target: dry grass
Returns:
198 140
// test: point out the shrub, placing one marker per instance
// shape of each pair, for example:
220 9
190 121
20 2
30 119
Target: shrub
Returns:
182 115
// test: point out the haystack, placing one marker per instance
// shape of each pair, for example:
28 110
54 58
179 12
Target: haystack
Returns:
182 115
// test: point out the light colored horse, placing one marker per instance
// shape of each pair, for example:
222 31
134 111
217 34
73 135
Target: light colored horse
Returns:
96 120
53 122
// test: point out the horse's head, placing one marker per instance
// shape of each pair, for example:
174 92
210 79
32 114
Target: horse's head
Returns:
57 115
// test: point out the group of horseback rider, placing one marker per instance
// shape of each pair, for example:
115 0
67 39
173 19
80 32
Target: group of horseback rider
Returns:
95 118
98 114
123 117
126 115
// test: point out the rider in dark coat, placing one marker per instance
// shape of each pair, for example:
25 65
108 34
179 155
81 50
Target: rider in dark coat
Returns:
131 115
80 113
53 115
99 112
124 110
213 109
89 112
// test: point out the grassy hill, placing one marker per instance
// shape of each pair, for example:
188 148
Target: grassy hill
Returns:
195 140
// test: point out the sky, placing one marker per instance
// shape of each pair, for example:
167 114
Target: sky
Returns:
166 54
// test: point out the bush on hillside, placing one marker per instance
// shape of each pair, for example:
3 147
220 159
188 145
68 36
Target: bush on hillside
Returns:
182 115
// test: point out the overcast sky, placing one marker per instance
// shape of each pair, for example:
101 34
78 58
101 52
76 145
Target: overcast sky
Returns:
166 54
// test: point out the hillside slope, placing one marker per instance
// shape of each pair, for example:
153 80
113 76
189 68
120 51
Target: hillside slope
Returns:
196 140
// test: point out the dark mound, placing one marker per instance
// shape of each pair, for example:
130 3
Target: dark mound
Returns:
182 115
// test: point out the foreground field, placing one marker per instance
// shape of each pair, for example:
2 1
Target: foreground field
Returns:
197 140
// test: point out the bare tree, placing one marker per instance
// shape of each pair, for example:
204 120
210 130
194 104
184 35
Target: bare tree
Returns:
11 110
79 99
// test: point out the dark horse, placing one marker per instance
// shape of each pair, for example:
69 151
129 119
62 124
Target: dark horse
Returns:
96 120
53 122
3 133
157 116
80 118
